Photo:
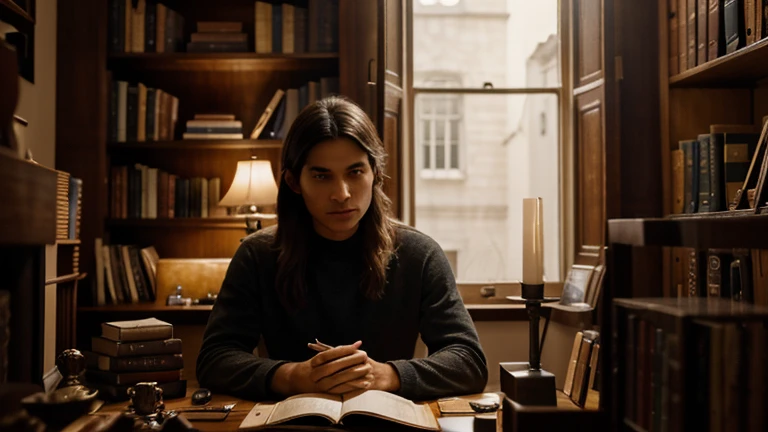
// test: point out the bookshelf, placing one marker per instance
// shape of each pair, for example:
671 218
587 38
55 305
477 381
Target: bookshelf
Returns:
239 83
696 248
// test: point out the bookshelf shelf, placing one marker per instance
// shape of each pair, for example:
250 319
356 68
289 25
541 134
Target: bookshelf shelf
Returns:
198 145
221 223
738 69
738 229
224 62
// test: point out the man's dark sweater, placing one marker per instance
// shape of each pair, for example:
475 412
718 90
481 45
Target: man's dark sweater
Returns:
420 298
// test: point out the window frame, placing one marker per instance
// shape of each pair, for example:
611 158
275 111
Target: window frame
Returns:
565 98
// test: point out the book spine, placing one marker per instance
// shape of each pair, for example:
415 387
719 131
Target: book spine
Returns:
704 176
701 26
682 32
717 196
116 26
132 113
731 17
150 27
146 364
749 21
715 30
150 115
135 349
277 28
146 333
674 56
692 33
113 110
300 30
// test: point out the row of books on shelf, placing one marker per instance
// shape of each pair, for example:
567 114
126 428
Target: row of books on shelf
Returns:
708 171
141 113
703 30
286 105
144 26
140 26
706 375
69 198
138 113
129 352
124 274
739 275
143 192
287 28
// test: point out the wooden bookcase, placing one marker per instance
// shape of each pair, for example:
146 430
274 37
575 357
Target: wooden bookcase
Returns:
369 59
730 89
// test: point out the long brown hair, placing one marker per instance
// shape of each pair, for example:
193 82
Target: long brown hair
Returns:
327 119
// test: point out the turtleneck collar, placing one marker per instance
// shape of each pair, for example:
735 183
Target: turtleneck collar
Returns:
350 246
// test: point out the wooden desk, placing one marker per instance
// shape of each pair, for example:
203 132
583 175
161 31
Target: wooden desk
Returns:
454 423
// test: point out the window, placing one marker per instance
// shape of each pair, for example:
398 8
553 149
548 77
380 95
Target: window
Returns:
503 143
439 131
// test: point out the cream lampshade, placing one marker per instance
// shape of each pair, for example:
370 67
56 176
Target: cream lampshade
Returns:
254 185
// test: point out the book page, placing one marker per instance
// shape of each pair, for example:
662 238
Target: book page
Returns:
391 407
308 404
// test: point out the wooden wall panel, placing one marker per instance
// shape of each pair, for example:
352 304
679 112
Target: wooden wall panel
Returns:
588 38
590 183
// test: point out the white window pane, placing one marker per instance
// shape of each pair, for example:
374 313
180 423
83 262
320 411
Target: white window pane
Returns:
426 127
479 213
440 155
440 131
427 155
454 129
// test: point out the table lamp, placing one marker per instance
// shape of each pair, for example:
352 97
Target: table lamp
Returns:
254 185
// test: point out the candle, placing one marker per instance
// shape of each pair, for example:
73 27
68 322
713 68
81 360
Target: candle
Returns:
533 242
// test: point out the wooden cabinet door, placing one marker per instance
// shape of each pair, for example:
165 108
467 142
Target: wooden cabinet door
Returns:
589 169
370 73
592 121
389 89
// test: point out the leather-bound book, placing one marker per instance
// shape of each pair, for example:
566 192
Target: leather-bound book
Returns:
701 30
568 386
716 40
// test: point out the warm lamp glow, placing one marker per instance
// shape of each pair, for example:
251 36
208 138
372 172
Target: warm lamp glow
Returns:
254 185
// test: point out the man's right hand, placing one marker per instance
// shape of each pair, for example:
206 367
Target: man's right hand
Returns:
338 370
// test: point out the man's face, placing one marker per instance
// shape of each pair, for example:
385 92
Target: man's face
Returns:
337 184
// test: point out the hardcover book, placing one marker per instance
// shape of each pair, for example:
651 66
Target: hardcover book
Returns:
137 330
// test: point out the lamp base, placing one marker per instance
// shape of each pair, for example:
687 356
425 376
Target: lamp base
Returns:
526 386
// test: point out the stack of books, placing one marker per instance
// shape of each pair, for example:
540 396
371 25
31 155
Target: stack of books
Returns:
218 36
214 126
135 351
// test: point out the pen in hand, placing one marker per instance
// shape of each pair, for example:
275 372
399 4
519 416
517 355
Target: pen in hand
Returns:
320 347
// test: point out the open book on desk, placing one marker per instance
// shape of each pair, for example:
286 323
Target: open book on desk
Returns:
318 409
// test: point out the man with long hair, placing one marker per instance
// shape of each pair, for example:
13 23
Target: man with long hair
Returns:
337 269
